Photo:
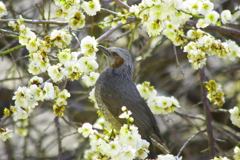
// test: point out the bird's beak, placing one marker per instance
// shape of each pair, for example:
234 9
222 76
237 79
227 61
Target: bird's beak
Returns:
105 50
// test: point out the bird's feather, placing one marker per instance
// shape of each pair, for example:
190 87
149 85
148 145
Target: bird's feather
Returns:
114 96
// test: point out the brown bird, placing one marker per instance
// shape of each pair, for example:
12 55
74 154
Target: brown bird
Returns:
115 89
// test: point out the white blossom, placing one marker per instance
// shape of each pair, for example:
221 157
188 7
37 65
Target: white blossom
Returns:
48 91
3 10
91 79
89 46
19 113
76 19
226 16
56 73
91 7
236 153
211 17
234 116
88 64
205 7
168 157
201 23
86 129
64 56
5 134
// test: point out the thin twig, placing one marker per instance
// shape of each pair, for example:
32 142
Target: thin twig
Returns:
5 32
120 3
108 33
12 49
189 116
3 120
124 34
119 25
57 124
10 79
109 11
71 124
229 136
178 64
36 21
219 29
185 144
207 110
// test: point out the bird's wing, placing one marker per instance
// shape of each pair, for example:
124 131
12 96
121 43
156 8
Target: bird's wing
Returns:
118 92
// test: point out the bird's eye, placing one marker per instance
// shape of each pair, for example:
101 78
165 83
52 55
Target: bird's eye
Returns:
115 53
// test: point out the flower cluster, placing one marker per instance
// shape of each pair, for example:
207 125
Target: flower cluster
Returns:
220 158
146 91
26 98
89 46
60 38
90 79
127 144
64 64
168 157
91 7
5 134
22 127
67 64
215 93
60 101
157 104
72 11
39 49
235 116
126 115
72 67
167 17
203 44
236 153
157 15
88 61
212 17
3 10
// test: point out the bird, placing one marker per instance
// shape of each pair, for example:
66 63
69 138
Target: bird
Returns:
115 89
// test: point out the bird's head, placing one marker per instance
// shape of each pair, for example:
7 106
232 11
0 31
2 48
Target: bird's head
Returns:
118 58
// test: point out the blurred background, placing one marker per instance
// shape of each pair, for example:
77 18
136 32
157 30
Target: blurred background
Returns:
154 61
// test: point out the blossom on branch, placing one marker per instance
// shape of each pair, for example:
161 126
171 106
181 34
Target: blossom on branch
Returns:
76 19
236 153
3 10
234 116
60 38
90 79
168 157
91 7
215 93
157 104
5 134
226 16
89 46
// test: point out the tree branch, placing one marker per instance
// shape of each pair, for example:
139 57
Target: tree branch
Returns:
119 25
219 29
177 61
207 111
108 33
120 3
185 144
57 124
12 49
36 21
